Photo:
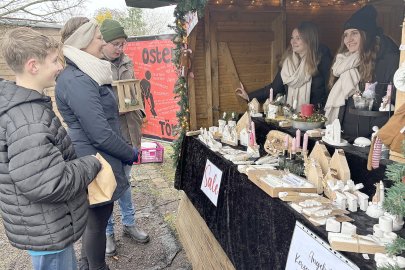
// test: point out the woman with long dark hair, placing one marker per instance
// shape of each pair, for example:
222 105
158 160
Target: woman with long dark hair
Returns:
304 71
365 55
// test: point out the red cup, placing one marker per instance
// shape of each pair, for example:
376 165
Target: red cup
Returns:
307 110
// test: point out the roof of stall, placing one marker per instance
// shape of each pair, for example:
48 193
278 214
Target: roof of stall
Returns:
150 3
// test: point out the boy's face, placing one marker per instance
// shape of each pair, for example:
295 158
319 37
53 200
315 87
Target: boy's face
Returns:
49 69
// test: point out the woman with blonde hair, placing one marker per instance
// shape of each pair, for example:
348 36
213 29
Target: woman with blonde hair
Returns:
365 55
304 71
89 108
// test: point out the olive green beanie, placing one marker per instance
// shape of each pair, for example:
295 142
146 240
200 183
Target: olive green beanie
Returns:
111 30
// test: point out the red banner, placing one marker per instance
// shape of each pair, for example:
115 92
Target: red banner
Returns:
153 65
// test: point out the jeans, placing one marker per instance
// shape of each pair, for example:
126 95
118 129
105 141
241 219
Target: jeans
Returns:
65 260
126 206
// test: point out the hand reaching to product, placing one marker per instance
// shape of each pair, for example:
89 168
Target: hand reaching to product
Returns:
240 91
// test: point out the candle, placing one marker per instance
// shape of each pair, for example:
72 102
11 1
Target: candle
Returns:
293 146
271 95
253 133
307 110
298 138
305 143
286 142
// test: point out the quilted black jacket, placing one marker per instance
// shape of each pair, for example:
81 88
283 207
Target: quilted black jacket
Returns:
43 198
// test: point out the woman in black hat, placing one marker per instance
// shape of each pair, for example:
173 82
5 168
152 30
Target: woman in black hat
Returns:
365 55
304 71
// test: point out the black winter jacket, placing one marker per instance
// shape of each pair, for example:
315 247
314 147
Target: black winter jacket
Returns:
91 113
43 198
386 64
318 85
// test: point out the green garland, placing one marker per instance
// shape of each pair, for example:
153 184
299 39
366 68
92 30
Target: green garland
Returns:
394 203
180 88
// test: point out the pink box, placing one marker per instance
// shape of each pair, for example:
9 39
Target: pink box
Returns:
150 155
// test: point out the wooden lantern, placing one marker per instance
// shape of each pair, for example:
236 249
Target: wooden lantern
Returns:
129 95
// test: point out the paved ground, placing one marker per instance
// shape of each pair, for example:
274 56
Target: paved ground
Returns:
156 205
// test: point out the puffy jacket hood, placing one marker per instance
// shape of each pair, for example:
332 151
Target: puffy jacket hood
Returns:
12 95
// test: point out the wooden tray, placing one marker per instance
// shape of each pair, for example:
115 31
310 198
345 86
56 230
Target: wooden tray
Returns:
255 175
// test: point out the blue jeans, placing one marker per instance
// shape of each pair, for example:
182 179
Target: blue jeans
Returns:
65 260
126 206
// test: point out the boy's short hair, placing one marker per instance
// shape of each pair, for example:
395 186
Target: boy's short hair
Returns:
23 43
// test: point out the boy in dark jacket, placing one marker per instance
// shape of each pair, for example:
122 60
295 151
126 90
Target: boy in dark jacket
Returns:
43 198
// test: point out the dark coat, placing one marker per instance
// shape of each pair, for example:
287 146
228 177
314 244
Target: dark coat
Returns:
42 184
318 85
91 113
386 64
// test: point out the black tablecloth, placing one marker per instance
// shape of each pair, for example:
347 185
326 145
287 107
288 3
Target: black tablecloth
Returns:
254 229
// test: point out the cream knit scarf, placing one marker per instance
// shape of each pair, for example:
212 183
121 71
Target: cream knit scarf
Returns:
99 70
295 75
345 67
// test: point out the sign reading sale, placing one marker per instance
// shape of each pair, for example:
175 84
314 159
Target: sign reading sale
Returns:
152 58
211 182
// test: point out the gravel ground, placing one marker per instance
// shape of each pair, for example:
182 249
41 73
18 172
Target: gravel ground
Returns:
156 204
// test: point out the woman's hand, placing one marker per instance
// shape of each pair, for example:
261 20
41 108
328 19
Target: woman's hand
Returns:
240 91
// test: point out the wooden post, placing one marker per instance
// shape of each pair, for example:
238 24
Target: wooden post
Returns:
207 43
214 68
191 82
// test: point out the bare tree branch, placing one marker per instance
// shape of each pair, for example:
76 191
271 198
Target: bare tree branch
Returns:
46 10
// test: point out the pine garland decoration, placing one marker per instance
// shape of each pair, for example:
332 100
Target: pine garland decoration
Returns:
394 203
180 88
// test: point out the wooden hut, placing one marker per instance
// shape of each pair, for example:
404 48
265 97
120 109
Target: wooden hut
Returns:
243 41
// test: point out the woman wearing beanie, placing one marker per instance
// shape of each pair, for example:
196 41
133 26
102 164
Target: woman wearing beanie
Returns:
304 71
365 55
88 106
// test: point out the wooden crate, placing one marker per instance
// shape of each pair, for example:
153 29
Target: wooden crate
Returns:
129 95
203 250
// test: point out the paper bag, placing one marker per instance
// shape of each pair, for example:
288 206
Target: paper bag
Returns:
103 186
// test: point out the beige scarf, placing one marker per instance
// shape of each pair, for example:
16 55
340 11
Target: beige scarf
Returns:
295 75
345 67
99 70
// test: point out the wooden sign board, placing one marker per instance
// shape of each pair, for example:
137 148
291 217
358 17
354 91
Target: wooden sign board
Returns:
129 95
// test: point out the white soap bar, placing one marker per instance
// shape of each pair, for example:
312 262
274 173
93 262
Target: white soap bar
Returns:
348 228
332 225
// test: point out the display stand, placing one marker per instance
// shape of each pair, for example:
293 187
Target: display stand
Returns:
366 113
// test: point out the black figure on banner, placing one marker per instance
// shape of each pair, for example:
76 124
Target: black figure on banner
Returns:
146 92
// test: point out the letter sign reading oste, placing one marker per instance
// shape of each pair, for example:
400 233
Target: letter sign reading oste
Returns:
211 182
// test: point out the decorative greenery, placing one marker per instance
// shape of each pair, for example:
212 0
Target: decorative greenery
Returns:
394 203
315 117
180 88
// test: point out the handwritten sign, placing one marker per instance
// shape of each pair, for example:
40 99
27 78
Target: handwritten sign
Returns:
309 252
211 182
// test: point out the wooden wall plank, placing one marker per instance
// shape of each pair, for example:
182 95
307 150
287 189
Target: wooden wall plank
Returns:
214 69
251 36
207 44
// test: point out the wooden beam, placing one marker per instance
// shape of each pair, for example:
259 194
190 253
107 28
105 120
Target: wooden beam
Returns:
207 44
248 36
215 73
192 41
232 72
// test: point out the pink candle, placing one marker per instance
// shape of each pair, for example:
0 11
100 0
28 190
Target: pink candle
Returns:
271 95
305 143
293 149
298 138
307 110
253 132
286 142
